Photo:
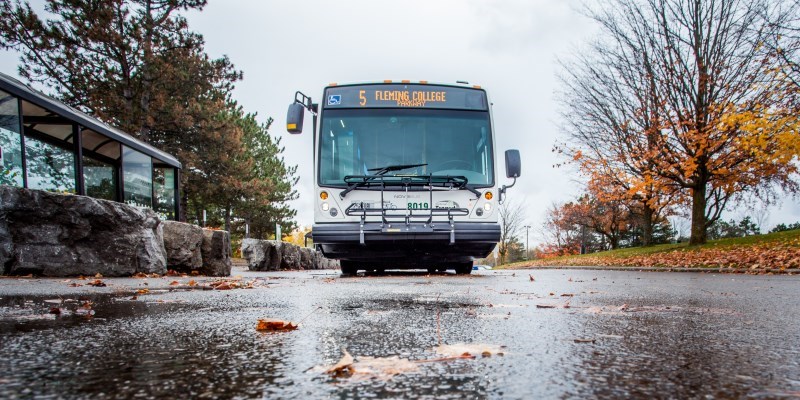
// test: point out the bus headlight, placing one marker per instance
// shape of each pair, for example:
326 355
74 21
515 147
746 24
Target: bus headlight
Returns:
487 207
325 206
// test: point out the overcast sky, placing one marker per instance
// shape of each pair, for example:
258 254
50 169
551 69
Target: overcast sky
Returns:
509 47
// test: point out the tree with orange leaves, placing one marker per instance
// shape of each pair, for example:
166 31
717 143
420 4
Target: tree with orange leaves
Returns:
681 100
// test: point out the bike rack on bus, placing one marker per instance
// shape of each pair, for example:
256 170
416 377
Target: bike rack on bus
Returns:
406 215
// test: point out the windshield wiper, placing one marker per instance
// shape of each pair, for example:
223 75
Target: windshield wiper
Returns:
378 173
391 168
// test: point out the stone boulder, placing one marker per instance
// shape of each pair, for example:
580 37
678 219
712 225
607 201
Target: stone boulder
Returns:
290 256
262 255
52 234
216 253
183 244
272 255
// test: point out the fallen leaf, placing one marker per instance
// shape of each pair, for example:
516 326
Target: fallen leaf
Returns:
192 283
82 312
85 310
567 295
172 272
74 284
467 350
195 273
143 291
272 325
96 283
545 306
585 340
55 310
174 283
98 275
344 365
140 275
451 358
370 367
532 278
383 367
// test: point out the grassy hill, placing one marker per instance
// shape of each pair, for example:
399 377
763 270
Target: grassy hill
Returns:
770 252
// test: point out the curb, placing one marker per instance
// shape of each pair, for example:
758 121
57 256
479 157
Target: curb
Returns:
667 269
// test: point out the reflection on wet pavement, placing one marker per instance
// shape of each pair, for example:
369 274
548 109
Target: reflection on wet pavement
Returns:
608 334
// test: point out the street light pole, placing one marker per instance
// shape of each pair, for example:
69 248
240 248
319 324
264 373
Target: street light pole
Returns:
527 250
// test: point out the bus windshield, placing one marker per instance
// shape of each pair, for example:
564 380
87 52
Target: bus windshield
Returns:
437 142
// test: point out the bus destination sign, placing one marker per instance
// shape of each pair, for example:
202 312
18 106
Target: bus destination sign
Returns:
405 96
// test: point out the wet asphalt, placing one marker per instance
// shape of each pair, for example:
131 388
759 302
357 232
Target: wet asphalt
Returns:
565 334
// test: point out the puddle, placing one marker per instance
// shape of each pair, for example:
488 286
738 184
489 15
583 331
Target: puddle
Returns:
31 313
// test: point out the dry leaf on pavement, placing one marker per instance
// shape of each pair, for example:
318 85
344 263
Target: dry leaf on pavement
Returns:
370 367
274 325
344 365
469 350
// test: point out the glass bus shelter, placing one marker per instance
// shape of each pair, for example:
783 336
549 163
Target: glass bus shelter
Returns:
47 145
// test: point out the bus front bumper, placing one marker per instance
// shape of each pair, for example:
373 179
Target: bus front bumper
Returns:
407 243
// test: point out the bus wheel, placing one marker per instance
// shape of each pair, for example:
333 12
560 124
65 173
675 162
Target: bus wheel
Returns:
463 268
348 267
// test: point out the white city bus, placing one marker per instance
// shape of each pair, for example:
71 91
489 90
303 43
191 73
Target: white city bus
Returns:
405 175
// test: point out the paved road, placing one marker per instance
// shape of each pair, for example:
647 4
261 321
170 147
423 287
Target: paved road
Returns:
619 335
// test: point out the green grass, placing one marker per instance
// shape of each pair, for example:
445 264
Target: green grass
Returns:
786 236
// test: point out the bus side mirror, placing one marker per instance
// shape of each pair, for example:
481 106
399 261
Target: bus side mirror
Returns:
294 118
513 164
513 170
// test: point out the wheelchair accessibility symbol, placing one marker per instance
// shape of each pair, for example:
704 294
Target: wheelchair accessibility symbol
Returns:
334 100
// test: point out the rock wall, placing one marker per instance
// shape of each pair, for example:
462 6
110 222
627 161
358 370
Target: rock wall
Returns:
192 248
183 244
216 250
65 235
272 255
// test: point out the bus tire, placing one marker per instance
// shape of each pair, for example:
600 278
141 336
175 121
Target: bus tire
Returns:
463 268
348 267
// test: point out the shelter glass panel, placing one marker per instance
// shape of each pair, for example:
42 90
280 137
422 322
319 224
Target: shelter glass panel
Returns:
96 143
99 179
49 167
137 177
164 182
10 141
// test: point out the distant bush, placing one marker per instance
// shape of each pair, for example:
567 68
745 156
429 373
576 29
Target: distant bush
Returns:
733 229
784 227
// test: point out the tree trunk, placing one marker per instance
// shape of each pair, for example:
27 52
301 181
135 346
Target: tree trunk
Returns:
228 219
647 225
698 214
184 205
